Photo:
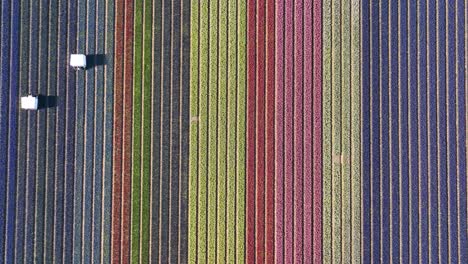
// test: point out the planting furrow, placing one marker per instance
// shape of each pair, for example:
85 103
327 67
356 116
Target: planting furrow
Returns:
194 135
394 130
462 115
127 131
165 136
213 64
221 198
313 127
69 19
184 131
61 143
136 133
288 131
251 129
279 130
433 155
41 64
3 141
52 137
4 100
30 245
176 90
366 97
156 131
413 139
202 120
11 206
231 124
4 120
157 48
336 131
118 132
436 91
317 129
327 130
420 153
146 136
422 114
99 93
345 113
404 129
80 113
89 95
308 136
108 146
355 152
452 162
442 137
241 129
22 136
298 126
269 199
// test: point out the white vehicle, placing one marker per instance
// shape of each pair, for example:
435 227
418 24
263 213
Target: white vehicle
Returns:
29 102
78 61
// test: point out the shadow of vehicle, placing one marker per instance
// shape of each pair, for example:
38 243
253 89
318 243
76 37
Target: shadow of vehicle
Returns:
47 101
94 60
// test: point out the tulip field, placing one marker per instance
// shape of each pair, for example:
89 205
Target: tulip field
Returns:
234 131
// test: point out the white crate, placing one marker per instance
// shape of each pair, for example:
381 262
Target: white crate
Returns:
29 102
78 61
